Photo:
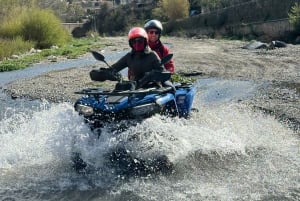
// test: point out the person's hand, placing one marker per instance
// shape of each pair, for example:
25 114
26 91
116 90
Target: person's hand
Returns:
111 73
107 69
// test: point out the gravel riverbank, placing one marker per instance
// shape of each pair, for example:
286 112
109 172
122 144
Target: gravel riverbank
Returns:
205 58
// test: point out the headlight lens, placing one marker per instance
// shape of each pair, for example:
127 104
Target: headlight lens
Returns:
84 109
144 110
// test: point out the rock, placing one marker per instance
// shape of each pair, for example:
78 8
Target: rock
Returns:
256 45
52 58
54 47
32 51
14 56
278 44
297 41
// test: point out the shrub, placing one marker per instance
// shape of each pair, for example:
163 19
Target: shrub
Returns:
44 28
33 24
294 17
173 9
10 26
14 46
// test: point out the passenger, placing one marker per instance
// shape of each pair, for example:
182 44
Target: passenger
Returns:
141 58
154 29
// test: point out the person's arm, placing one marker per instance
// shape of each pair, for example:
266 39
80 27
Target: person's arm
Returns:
121 64
156 62
170 66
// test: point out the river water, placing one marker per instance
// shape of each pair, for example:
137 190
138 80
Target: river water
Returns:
225 151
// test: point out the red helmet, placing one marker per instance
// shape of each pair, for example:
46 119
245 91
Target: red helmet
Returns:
137 32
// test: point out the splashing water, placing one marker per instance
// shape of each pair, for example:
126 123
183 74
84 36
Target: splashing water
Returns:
225 151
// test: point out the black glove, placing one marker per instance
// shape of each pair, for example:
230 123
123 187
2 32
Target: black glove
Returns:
105 74
109 70
112 74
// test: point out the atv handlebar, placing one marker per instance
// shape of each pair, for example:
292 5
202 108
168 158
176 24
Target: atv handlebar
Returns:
109 74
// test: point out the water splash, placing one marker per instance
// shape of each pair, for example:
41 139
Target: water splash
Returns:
225 151
39 137
228 152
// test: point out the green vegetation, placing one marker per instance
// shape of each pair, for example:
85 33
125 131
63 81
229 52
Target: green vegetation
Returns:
32 24
119 20
177 78
172 9
24 26
294 17
73 49
42 27
11 46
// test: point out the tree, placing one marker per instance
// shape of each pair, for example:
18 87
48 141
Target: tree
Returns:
195 5
173 9
211 4
294 17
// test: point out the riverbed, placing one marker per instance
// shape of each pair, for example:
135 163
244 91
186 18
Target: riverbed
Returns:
276 71
242 142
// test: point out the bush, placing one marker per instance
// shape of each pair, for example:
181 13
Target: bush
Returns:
15 46
10 26
174 9
34 25
44 28
294 17
119 20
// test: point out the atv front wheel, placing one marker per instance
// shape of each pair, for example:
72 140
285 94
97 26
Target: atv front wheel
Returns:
77 163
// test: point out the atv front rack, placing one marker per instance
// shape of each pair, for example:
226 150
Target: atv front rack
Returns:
97 91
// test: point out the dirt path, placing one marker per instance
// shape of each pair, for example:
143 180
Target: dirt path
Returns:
207 57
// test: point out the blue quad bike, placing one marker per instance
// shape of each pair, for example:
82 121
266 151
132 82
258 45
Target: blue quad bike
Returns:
130 100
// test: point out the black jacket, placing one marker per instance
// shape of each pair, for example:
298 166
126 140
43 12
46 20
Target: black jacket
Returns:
139 63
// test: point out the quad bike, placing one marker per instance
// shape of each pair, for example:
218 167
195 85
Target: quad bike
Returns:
153 94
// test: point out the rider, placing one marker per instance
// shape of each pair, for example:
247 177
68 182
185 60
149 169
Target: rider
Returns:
141 58
154 29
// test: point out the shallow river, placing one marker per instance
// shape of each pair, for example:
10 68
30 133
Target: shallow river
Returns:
225 151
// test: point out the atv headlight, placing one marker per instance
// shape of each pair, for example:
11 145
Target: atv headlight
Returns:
84 109
144 110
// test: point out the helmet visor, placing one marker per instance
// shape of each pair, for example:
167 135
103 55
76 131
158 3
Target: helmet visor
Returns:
138 44
137 40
